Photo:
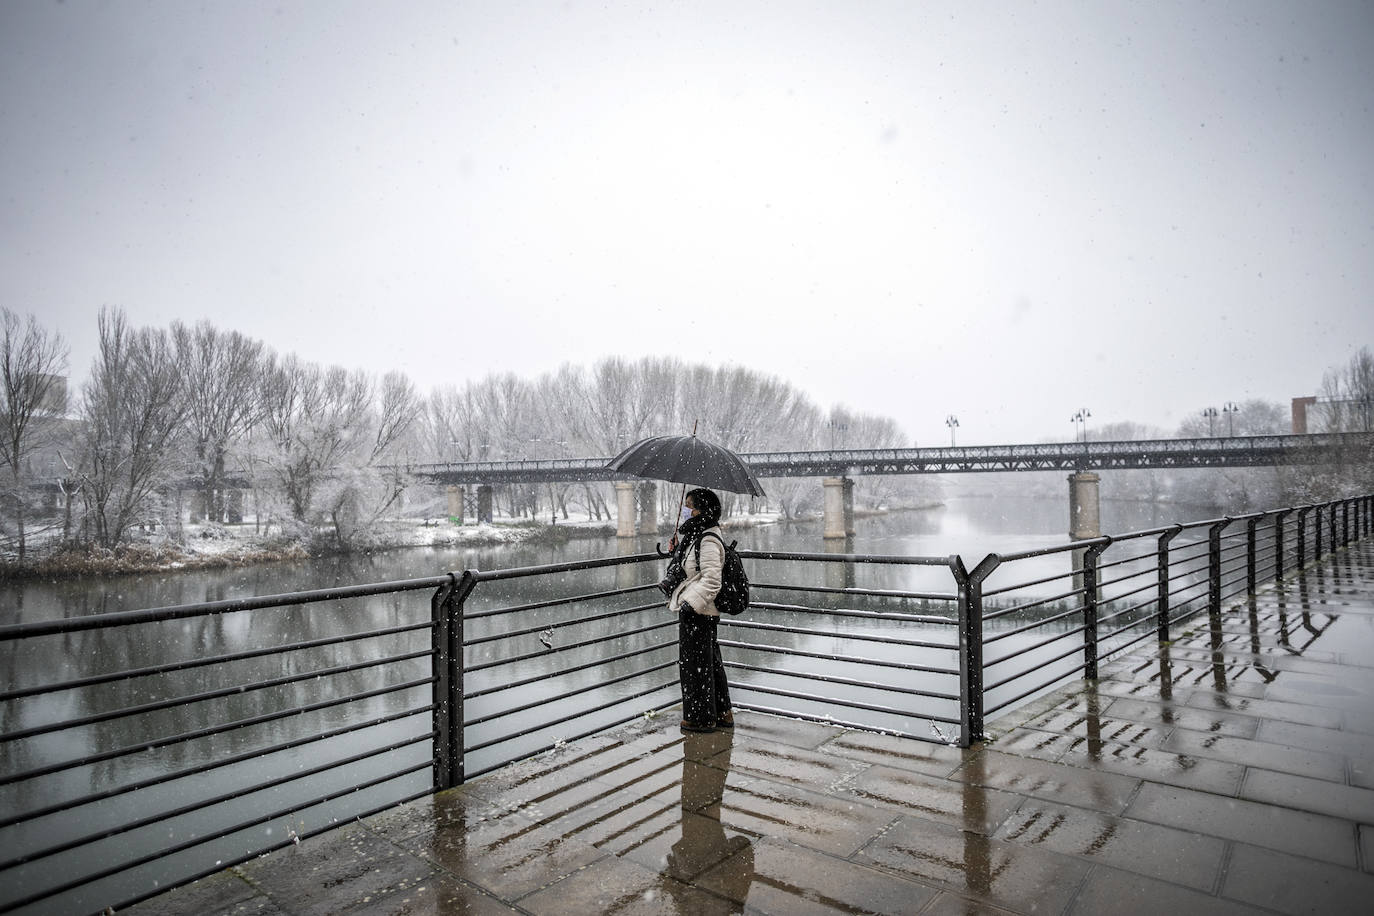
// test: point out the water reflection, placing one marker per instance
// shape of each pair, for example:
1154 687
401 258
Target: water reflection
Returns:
704 844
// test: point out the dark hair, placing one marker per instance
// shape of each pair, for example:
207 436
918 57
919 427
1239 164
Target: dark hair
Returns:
705 502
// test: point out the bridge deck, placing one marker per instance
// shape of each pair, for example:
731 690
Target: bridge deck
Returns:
1231 771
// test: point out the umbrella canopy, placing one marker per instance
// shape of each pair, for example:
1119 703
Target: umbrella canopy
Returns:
687 459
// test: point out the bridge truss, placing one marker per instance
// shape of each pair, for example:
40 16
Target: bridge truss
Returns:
1238 451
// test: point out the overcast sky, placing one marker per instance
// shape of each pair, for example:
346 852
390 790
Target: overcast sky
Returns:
1005 211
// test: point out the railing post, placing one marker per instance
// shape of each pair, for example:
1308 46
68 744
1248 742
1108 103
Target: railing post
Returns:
1090 608
1251 555
1162 600
1345 523
1302 536
446 610
1279 516
971 644
1317 532
1331 542
1214 565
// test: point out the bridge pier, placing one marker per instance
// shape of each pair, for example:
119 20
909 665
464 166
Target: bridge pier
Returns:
625 509
648 508
455 503
1085 516
484 504
838 507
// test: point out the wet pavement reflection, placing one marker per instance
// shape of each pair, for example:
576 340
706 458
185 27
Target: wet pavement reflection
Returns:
1230 770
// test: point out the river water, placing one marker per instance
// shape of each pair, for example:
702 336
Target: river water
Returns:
971 527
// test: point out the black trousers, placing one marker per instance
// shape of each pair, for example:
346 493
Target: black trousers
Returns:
705 691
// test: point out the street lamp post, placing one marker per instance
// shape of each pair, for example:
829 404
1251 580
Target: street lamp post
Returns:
1080 419
953 423
1211 414
1230 408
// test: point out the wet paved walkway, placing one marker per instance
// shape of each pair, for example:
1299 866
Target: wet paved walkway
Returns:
1231 771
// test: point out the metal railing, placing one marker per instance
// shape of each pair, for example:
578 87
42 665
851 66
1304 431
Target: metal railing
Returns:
227 729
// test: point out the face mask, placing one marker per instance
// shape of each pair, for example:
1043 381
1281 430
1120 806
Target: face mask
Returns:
686 513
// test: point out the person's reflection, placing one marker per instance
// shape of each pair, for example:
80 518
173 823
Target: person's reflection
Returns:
704 844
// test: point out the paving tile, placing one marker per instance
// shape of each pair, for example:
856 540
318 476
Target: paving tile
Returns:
1004 874
1262 710
959 804
336 871
813 769
220 894
530 779
1291 884
1212 722
950 904
1308 794
617 886
1264 754
765 728
1121 893
1031 742
901 753
1108 792
506 855
791 880
1161 766
1246 821
1329 740
1095 728
1367 848
1172 855
836 826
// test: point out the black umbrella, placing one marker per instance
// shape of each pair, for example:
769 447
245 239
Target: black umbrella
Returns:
687 459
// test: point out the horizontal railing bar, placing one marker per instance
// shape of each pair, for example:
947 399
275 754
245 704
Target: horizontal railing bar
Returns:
1103 583
875 559
502 739
1138 606
471 669
206 767
217 694
840 723
199 840
1131 626
544 627
1033 625
182 611
1021 696
849 682
189 664
586 688
1115 649
825 634
214 800
1148 587
524 572
534 678
1012 677
865 615
1017 586
207 732
859 592
557 602
1038 602
1059 548
473 774
849 659
849 704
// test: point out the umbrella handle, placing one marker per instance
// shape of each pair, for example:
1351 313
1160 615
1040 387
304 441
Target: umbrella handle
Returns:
658 548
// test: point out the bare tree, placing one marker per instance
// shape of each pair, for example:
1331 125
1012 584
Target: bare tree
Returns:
220 372
312 418
132 409
33 363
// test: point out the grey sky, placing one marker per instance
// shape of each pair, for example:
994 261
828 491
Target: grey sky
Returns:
1002 210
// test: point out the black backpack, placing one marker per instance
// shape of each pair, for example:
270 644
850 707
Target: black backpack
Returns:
733 596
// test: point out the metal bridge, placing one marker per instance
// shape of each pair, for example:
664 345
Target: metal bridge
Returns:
1238 451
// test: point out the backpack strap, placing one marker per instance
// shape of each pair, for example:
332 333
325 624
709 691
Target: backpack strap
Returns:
717 537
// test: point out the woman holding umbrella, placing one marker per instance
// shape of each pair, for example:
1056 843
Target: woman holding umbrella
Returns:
693 580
